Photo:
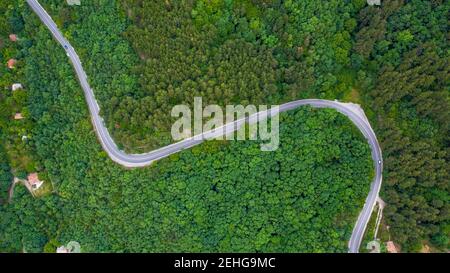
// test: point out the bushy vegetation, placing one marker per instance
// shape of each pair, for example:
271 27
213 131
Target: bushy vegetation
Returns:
17 155
144 57
404 48
215 197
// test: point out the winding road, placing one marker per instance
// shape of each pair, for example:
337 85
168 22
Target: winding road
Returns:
352 111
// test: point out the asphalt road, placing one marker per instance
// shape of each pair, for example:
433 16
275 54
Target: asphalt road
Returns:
352 111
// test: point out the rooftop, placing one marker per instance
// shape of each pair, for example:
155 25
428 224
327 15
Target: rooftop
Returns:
34 182
390 247
18 116
62 249
16 86
11 63
13 37
374 2
73 2
33 178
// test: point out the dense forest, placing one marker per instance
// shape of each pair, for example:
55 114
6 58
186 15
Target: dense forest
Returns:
144 57
409 92
15 150
215 197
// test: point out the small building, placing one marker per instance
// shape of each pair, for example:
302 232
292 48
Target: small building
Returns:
74 2
13 37
34 182
374 2
373 247
16 86
390 247
71 247
18 116
11 63
62 249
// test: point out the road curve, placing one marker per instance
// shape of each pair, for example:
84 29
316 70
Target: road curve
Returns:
352 111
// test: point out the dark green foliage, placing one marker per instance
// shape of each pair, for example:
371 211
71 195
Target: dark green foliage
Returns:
225 51
215 197
410 95
51 246
144 57
5 176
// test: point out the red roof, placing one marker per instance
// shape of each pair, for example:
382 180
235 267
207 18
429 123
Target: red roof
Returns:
18 116
33 178
11 63
13 37
390 247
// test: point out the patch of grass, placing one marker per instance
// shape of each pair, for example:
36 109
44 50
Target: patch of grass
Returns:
370 230
44 190
352 96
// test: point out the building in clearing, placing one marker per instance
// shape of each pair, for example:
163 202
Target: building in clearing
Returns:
13 37
16 86
62 249
74 2
34 182
18 116
71 247
11 63
390 247
374 2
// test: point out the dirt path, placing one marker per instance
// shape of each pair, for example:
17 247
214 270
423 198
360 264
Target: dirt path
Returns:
11 190
13 185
